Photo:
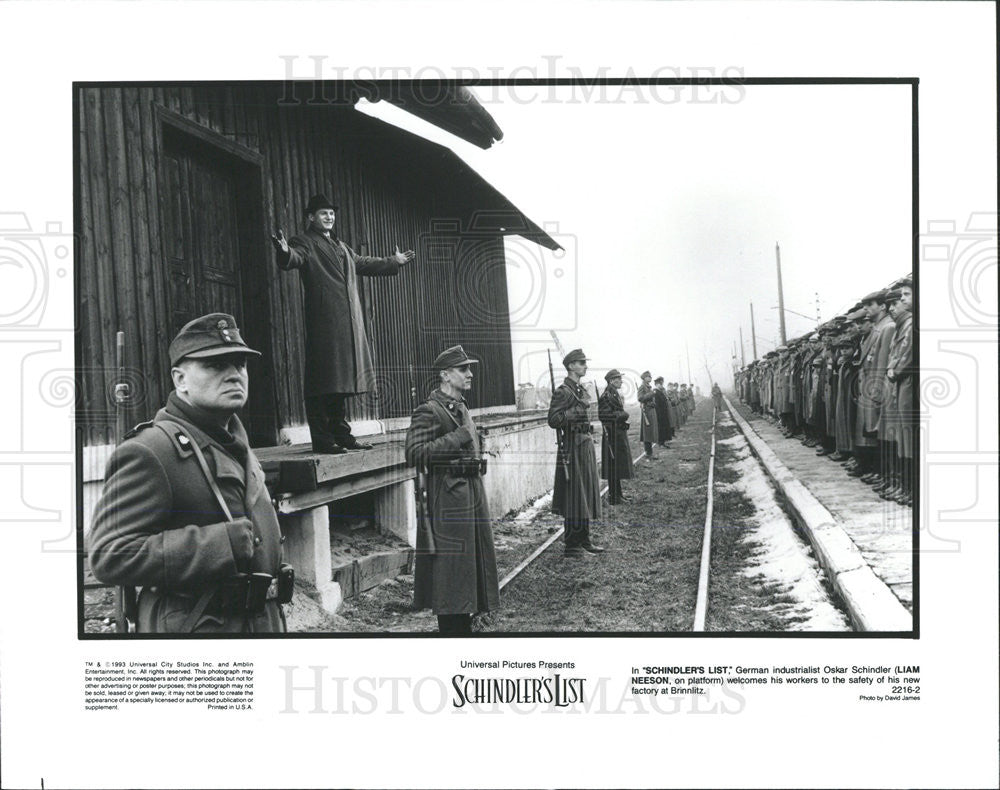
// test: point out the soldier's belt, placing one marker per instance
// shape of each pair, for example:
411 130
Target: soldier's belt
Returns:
581 428
465 467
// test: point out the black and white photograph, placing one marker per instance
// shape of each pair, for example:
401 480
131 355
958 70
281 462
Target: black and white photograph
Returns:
386 381
336 380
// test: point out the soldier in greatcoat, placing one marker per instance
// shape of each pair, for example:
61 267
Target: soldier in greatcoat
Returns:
184 513
647 414
616 456
664 428
673 408
456 576
577 491
338 359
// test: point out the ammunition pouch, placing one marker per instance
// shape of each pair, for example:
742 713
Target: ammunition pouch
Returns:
248 593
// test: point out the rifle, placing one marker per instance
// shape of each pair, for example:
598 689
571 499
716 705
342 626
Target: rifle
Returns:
126 608
562 457
424 526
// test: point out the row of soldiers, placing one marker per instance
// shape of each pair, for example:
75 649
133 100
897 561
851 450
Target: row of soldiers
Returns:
664 410
847 390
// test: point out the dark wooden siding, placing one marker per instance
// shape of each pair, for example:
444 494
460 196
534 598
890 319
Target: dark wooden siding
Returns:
393 187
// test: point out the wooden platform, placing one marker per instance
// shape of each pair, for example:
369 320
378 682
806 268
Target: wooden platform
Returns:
299 479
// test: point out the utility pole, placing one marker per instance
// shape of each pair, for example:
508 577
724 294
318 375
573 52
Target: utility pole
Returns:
743 356
781 295
753 333
818 318
688 355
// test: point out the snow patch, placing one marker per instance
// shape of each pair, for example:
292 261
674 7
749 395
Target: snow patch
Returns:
780 555
532 509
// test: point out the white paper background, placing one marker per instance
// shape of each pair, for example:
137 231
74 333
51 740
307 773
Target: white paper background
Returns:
770 737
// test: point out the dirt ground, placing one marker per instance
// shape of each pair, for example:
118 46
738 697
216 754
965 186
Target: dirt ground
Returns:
647 579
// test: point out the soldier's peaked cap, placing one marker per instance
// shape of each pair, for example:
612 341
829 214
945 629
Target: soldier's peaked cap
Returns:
211 335
644 374
320 201
614 373
576 355
452 358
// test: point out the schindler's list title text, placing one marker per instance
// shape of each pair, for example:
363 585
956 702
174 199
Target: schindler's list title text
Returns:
548 690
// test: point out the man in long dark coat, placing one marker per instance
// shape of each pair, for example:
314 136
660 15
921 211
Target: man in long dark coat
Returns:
338 360
456 575
577 490
899 422
616 456
664 429
648 429
184 513
864 446
673 407
872 397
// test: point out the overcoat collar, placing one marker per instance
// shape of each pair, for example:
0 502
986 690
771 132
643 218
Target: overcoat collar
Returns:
454 406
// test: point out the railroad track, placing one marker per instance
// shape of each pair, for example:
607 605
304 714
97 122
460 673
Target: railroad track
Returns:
521 566
699 549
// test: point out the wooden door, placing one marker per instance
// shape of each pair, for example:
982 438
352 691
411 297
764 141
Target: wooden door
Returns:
211 208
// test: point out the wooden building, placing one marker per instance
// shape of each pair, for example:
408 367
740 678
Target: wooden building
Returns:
179 187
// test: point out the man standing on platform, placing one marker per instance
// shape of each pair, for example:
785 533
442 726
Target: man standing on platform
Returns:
456 569
577 491
616 456
873 378
899 393
338 361
647 409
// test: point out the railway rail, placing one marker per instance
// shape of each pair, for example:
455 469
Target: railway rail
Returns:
699 621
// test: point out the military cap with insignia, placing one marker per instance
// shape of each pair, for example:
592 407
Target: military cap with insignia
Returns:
211 335
453 357
576 355
612 374
645 374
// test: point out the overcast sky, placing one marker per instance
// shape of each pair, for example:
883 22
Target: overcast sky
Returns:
670 208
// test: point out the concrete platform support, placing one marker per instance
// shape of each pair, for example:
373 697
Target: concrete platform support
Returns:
307 548
871 604
396 512
521 465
